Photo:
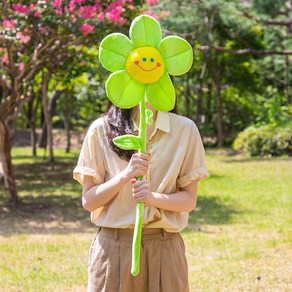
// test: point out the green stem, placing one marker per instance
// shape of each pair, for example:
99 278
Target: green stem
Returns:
136 246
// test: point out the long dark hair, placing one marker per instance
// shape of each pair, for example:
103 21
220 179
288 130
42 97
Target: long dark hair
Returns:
120 123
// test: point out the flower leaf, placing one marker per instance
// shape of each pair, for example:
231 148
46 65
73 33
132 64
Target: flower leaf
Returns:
127 142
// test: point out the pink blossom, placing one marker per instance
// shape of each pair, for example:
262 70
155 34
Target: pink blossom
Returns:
83 63
151 13
42 29
87 11
37 14
86 28
121 21
97 5
163 14
57 3
59 11
5 59
115 14
20 8
20 67
100 16
151 2
23 38
9 23
78 2
73 18
71 6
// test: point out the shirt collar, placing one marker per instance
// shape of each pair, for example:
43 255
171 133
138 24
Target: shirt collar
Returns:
162 123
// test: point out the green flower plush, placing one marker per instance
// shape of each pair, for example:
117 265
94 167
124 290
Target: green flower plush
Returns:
141 66
143 63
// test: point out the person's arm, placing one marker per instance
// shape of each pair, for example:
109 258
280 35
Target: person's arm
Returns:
183 200
95 196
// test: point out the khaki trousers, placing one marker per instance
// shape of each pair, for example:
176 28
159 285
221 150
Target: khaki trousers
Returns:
163 266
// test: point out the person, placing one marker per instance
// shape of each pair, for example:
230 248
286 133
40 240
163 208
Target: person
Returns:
172 167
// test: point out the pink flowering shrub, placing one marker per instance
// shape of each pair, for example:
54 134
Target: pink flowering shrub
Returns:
151 2
32 24
22 9
151 13
86 28
9 23
20 67
22 37
78 10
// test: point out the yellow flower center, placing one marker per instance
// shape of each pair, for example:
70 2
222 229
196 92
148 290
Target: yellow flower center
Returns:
145 65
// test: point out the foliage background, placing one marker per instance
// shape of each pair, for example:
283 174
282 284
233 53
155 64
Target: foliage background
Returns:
238 92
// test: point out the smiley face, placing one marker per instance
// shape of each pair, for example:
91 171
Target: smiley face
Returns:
145 65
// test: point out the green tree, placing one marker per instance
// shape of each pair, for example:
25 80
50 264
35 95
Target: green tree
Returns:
36 36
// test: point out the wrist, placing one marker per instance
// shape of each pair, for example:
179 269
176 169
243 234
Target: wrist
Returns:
151 199
124 176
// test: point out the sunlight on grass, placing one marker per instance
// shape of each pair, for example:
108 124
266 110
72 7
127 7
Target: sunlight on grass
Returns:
238 239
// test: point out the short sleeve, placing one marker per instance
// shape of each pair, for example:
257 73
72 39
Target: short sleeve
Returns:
193 166
90 161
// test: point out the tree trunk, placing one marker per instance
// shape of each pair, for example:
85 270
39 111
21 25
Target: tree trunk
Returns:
31 118
200 94
43 138
187 98
209 113
45 83
217 81
287 87
5 157
33 138
218 110
68 134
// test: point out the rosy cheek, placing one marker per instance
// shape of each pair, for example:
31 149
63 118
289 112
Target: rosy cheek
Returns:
158 64
136 62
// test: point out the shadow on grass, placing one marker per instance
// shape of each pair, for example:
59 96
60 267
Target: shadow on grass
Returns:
44 178
50 202
211 211
45 215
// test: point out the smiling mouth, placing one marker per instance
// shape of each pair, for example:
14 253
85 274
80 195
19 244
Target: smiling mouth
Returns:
157 65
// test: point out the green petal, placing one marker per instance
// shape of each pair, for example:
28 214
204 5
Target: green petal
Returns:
161 94
145 31
177 54
124 91
114 51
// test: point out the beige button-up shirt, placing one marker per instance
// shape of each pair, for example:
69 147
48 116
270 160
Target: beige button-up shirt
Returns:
178 158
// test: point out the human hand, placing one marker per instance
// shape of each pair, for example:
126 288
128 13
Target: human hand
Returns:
138 165
141 191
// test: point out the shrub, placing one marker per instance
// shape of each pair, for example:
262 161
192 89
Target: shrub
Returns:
268 140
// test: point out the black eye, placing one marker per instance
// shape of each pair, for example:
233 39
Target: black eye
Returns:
144 59
152 60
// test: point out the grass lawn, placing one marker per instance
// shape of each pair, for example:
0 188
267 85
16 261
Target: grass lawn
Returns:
239 237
